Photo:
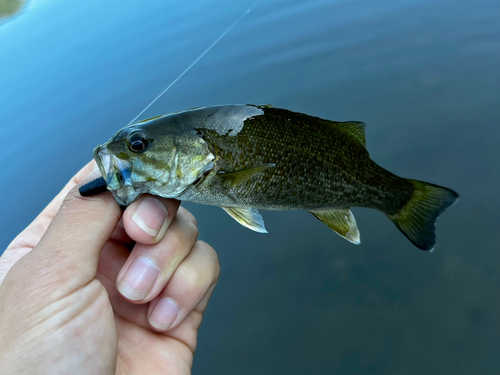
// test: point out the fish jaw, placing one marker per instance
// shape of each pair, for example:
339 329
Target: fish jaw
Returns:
117 173
101 162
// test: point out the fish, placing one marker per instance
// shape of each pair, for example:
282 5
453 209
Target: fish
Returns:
246 158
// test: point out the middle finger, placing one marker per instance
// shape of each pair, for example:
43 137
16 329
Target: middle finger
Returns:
149 267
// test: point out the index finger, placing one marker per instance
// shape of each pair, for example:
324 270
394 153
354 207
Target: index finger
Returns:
148 218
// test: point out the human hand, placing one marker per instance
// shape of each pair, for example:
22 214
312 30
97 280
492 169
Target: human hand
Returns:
75 300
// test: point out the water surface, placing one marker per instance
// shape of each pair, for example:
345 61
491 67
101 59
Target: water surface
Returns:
423 75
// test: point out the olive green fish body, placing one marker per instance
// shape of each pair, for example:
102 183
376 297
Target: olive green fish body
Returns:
245 157
318 164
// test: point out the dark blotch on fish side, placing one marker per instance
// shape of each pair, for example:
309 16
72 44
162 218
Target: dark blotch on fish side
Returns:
93 187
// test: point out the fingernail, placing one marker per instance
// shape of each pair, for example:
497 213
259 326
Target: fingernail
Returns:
139 279
164 314
151 217
120 223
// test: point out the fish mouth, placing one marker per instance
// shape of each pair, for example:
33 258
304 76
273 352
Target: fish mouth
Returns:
115 171
99 162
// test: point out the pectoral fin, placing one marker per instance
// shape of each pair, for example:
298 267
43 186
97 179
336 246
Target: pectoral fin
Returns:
243 175
342 221
248 217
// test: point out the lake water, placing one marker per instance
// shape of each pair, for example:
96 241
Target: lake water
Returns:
424 76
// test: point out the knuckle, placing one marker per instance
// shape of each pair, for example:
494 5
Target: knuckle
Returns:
175 238
194 231
193 278
74 198
180 238
191 229
189 217
202 269
212 257
73 195
73 201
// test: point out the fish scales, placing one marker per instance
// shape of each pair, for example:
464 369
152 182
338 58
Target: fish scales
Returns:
246 157
316 162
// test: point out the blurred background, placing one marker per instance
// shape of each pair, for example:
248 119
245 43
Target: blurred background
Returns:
425 77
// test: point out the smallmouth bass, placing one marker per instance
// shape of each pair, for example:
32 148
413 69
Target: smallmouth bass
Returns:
248 157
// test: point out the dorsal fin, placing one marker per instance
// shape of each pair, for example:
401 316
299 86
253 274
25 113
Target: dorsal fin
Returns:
354 128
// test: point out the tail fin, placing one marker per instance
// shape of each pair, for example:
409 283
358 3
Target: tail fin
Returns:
418 216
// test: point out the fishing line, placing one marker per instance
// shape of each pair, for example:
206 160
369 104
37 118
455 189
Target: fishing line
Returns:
99 184
199 58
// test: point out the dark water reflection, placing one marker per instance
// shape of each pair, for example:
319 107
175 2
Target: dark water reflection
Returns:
423 75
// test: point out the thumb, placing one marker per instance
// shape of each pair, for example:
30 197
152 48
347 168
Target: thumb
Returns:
68 253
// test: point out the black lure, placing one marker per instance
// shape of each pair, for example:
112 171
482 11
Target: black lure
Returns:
93 187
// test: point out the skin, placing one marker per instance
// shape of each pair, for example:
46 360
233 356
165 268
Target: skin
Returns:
62 303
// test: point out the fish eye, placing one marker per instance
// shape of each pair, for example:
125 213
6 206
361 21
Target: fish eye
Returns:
138 142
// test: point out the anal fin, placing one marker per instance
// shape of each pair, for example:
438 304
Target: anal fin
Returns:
342 221
248 217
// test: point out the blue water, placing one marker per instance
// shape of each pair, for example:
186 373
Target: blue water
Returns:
423 75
